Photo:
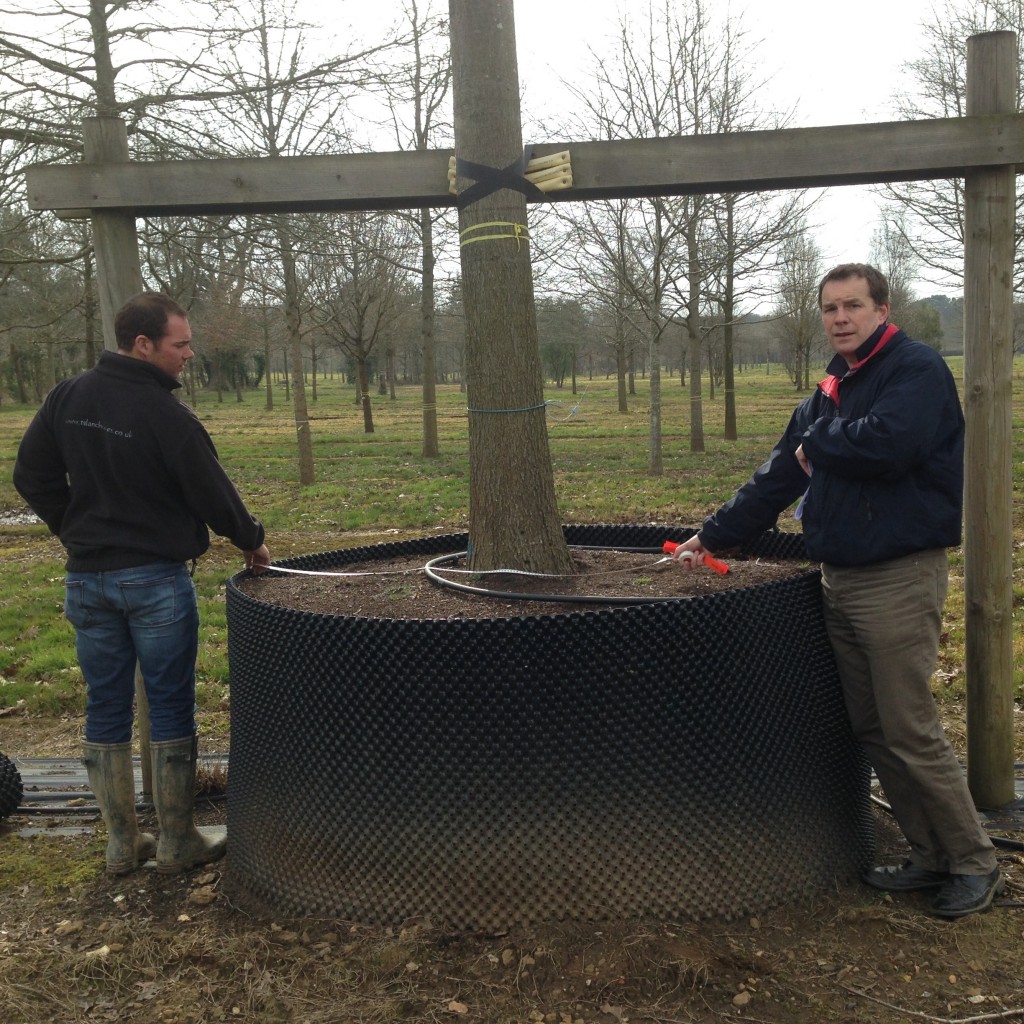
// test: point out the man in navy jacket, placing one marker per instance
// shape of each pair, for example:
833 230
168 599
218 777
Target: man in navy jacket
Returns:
128 479
876 458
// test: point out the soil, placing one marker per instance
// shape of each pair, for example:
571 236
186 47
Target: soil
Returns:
79 946
399 587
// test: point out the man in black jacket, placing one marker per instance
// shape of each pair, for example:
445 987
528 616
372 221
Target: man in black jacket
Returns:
877 455
128 479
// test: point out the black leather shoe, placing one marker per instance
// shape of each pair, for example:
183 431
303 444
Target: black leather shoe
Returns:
967 894
906 877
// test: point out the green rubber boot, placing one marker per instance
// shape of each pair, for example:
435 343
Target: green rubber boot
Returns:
109 766
182 846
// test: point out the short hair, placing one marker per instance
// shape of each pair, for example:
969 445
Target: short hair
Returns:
878 286
145 314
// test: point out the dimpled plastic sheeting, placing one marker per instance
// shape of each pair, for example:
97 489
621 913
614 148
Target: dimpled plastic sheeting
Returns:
679 759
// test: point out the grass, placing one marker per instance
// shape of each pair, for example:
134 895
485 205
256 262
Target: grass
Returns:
374 487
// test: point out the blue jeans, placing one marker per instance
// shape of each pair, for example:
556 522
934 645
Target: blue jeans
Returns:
147 614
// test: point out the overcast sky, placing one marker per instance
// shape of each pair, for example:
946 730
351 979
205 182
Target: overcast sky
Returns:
826 63
834 63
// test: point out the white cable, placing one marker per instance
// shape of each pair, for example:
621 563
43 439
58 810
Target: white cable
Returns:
465 572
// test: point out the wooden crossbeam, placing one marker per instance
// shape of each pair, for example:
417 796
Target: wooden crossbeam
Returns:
737 162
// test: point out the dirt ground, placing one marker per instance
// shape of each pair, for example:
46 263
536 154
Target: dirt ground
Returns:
398 588
79 946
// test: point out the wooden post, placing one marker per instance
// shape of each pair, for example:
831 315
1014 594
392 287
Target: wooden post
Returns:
114 238
118 278
989 212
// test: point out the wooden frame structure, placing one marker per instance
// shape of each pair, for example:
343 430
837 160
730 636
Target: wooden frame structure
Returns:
986 148
742 161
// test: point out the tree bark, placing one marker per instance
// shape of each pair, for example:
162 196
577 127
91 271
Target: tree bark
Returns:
620 365
304 436
655 462
694 339
363 385
427 300
266 358
728 313
513 516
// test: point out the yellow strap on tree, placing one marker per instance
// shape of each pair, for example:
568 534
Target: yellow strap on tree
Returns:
518 232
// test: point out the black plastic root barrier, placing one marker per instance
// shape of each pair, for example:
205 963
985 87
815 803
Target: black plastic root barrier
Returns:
684 759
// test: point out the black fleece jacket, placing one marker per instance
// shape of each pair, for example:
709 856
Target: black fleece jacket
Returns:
887 462
125 474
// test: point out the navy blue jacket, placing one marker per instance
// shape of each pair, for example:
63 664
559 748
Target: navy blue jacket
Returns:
125 474
887 463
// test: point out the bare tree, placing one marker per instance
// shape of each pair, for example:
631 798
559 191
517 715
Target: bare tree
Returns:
277 104
607 251
892 251
934 210
668 76
358 289
46 321
106 58
62 59
798 321
642 249
418 95
684 260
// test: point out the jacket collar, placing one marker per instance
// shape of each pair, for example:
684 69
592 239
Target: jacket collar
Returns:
839 368
126 368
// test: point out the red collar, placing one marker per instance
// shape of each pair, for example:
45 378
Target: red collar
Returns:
830 385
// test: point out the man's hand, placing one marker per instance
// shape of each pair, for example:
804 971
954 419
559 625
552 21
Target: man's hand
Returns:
258 560
805 464
686 553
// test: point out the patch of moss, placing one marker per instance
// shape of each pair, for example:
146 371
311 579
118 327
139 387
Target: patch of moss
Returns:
50 864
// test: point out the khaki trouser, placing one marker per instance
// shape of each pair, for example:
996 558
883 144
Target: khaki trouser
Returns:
884 622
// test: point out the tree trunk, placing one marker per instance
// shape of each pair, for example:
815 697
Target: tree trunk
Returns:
656 465
363 384
514 521
266 358
89 313
693 332
292 321
430 449
728 312
620 366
